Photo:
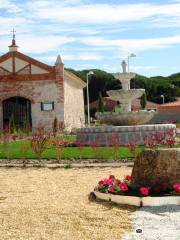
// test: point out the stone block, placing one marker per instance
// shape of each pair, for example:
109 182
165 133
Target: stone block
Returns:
152 166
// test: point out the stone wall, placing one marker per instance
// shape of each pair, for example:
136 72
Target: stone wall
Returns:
123 135
36 92
73 104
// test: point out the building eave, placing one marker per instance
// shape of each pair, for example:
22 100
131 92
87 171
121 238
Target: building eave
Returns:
72 76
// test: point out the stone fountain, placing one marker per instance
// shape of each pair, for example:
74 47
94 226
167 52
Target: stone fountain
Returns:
126 126
125 96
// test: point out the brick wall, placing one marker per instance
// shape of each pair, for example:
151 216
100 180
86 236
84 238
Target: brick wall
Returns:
36 92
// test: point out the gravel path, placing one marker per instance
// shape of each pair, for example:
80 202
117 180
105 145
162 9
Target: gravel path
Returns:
44 204
156 223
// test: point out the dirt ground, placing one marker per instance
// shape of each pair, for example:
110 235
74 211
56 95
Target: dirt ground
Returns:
44 204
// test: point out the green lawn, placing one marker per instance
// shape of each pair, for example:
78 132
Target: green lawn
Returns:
14 150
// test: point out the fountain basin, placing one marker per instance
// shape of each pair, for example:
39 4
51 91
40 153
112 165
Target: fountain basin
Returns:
125 119
103 135
124 76
125 96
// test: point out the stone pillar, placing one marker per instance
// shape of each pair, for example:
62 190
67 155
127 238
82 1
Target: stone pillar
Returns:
126 107
125 85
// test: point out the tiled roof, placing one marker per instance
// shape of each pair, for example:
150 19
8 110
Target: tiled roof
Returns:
171 104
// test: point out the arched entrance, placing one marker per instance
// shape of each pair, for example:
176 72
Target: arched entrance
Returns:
17 113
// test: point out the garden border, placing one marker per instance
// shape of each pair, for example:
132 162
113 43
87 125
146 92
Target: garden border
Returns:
135 200
66 165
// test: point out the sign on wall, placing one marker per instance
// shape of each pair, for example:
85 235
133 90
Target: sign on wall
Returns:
47 106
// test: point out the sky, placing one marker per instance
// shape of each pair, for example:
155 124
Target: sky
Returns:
91 34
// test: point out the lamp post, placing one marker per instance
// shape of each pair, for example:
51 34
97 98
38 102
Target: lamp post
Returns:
87 82
162 96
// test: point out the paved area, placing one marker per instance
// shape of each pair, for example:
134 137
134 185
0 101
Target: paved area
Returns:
156 223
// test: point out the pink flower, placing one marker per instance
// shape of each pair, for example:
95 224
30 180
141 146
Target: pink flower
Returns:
107 181
128 178
123 187
176 187
144 191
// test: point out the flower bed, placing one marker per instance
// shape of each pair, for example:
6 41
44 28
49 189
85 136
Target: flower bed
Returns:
116 186
120 192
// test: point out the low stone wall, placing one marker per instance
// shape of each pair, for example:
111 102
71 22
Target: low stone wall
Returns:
120 135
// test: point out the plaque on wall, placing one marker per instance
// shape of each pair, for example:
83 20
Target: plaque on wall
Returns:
47 106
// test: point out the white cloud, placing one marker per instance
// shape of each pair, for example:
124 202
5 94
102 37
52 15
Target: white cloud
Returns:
42 44
74 57
101 13
82 57
128 45
9 6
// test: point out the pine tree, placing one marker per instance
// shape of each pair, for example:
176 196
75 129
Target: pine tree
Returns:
143 101
100 103
55 126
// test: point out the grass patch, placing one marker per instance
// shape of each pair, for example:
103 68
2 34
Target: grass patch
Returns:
14 151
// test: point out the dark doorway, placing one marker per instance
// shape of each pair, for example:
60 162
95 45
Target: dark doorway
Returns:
17 113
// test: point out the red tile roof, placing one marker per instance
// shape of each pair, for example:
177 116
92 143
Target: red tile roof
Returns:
176 103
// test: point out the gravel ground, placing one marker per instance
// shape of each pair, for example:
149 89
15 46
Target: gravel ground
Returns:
44 204
156 223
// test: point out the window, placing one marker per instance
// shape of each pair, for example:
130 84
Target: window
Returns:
47 106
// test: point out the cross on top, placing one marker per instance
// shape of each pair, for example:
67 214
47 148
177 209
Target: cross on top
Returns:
13 31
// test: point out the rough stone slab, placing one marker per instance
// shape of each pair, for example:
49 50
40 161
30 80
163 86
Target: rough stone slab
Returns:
153 166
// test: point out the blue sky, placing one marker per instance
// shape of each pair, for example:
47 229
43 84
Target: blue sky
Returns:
96 33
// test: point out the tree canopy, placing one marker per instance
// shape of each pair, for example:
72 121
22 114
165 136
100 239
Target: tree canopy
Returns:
102 81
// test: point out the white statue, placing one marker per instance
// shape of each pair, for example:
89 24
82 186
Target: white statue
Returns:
124 65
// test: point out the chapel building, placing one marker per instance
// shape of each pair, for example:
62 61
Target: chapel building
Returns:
38 93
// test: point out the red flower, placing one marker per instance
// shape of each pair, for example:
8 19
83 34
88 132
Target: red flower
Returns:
118 181
123 187
111 188
144 191
176 187
101 182
111 177
128 178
